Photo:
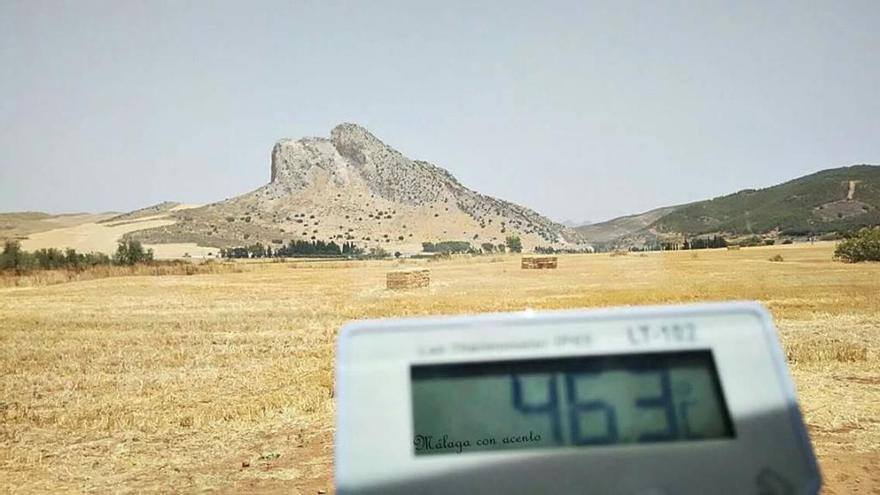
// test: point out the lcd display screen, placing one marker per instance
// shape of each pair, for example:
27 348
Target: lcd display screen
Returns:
567 402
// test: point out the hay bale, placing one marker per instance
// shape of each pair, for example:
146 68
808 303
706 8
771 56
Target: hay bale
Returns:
412 278
538 262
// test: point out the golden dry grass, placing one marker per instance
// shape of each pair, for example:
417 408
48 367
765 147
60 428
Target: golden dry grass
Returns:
35 278
22 224
224 381
91 236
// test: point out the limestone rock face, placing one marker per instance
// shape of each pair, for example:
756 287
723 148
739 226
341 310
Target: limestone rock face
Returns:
353 187
292 161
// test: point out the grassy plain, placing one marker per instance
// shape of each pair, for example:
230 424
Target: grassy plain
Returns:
224 381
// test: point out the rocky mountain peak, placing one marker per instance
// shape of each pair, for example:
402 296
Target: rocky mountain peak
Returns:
353 153
354 142
353 187
292 160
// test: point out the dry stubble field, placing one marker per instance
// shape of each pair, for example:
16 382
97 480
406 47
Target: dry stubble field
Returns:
224 381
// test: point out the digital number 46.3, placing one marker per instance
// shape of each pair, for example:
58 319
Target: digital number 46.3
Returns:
576 407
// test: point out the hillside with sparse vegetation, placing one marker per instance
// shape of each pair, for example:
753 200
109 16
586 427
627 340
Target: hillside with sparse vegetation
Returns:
833 200
840 200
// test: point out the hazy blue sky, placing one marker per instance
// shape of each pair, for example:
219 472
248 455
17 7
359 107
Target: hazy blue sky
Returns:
581 110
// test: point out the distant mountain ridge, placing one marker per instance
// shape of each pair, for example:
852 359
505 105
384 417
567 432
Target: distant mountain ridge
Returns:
353 187
621 227
573 224
833 200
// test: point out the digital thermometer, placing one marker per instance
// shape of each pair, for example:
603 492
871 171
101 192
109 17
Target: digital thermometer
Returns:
689 399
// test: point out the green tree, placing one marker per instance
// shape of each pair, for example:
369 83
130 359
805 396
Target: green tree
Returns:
95 259
864 246
514 244
13 258
257 250
49 259
73 260
488 247
121 257
447 247
131 252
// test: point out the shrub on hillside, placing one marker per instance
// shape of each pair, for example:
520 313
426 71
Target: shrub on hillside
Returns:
514 244
864 246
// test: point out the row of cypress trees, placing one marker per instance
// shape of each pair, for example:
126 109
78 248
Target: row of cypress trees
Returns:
293 248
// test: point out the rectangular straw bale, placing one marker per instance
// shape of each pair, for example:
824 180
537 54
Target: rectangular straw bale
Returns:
538 262
411 278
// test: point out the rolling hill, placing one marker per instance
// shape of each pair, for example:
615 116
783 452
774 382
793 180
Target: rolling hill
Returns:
20 226
607 232
833 200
